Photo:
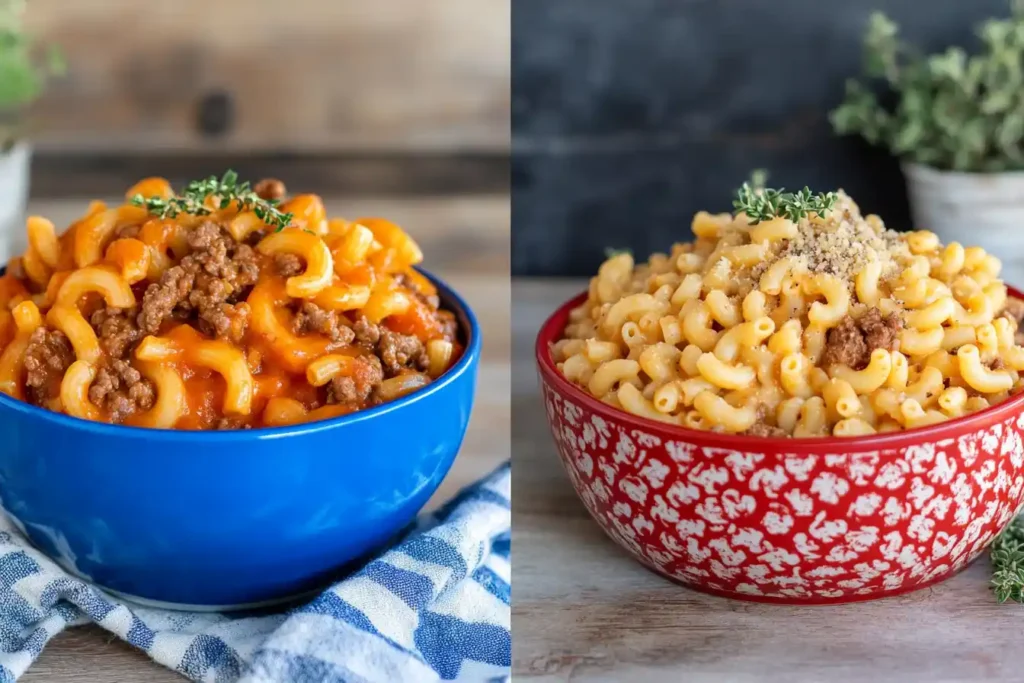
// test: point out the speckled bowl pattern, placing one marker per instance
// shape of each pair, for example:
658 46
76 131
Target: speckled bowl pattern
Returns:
821 520
231 519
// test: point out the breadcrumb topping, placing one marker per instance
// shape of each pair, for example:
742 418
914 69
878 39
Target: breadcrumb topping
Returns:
841 243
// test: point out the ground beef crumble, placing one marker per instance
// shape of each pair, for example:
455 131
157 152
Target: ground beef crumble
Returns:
852 341
162 297
208 282
270 188
880 332
367 334
431 300
763 427
288 265
117 330
232 423
224 321
765 430
48 355
359 388
449 325
396 351
121 390
331 324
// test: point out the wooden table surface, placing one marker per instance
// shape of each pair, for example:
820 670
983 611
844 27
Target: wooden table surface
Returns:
465 241
585 611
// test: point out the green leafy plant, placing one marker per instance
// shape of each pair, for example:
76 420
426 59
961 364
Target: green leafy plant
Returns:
1008 563
951 110
25 67
226 189
760 203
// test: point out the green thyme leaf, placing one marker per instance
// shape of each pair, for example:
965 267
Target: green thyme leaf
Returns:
1008 563
226 189
761 204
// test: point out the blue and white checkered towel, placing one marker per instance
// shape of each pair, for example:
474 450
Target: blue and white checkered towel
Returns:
434 607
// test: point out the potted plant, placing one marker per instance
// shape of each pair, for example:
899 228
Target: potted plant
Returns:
25 66
956 122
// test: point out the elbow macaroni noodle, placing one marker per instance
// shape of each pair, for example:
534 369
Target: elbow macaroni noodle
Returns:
270 371
741 331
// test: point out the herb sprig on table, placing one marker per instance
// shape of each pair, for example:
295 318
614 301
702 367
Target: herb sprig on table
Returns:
1008 563
762 204
227 189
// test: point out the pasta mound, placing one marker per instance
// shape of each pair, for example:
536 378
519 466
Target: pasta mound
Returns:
831 325
840 243
212 318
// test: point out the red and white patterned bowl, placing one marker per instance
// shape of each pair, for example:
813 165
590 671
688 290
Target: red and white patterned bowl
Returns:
821 520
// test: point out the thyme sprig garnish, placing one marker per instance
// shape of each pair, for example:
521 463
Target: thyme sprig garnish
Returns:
1008 563
761 204
226 190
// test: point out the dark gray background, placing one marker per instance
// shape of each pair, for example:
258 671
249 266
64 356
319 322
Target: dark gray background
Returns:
630 115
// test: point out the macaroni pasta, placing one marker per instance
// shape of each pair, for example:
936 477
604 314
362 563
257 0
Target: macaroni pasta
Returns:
219 321
832 325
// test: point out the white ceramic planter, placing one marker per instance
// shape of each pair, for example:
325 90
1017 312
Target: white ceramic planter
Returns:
983 209
14 177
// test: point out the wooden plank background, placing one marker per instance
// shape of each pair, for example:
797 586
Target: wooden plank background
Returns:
60 175
323 76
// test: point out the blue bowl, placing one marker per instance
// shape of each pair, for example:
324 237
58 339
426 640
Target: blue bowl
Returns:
234 519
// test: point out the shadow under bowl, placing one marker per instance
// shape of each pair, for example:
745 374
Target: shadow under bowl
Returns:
822 520
232 519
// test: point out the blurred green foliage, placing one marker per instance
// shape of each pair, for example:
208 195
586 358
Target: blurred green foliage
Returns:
951 111
25 67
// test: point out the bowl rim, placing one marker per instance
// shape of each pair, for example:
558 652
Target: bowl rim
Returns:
554 325
468 323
